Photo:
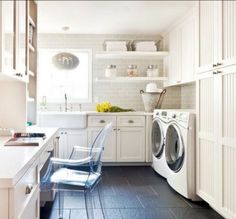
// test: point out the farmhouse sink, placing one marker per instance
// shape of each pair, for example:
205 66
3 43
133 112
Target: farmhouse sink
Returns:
74 119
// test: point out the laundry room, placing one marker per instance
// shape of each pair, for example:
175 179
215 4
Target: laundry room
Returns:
117 109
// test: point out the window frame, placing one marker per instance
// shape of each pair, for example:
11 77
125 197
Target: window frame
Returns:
90 76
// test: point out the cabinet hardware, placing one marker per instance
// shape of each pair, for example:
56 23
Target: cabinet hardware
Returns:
130 121
214 72
50 151
214 65
219 63
66 133
19 75
114 129
219 72
102 121
62 133
58 137
118 129
28 189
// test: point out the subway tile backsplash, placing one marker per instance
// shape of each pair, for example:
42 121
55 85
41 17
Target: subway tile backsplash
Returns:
126 95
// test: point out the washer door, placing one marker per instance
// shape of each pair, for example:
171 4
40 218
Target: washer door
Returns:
174 148
157 138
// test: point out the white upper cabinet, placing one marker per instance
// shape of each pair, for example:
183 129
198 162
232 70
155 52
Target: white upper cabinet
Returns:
181 42
13 40
207 37
228 38
217 34
7 37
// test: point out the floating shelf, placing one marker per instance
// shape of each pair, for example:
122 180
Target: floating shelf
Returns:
31 48
130 79
31 73
32 22
30 99
9 77
132 55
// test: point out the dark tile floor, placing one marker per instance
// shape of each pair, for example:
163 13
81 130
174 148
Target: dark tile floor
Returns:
132 193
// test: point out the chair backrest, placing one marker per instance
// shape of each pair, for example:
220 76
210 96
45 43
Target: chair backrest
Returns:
97 148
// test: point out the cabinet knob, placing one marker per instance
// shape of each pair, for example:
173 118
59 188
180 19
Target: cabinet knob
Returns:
66 133
114 129
214 65
219 63
214 72
219 72
130 121
28 189
58 137
118 129
102 121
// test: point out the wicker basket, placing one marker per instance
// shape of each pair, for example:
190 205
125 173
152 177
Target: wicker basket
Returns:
152 101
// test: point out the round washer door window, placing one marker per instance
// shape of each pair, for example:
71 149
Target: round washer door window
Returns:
157 139
174 148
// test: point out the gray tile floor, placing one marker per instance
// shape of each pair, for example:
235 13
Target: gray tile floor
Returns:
132 193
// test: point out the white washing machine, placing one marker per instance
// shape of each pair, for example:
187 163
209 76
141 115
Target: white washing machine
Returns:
159 125
180 153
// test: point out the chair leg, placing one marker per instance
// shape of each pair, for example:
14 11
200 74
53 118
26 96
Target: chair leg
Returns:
61 204
100 201
88 204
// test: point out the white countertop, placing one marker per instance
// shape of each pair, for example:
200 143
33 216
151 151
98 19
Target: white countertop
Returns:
15 161
133 113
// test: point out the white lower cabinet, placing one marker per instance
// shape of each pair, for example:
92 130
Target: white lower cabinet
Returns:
69 138
130 144
109 154
126 143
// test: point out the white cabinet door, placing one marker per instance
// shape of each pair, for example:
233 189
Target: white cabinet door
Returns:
189 35
207 138
8 51
31 210
227 10
174 60
73 138
131 144
109 153
227 142
69 138
207 35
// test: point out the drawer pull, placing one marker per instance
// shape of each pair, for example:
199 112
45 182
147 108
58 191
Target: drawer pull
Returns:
214 65
102 121
130 121
219 72
28 189
114 129
214 72
219 63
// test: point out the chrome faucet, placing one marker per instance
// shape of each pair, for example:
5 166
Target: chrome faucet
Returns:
66 108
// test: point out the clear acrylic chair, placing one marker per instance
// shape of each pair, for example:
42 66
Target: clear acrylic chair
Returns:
81 172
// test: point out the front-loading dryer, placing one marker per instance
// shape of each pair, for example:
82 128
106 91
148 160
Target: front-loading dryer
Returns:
158 142
180 153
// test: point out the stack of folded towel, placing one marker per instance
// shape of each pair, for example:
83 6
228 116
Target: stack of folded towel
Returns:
116 46
145 46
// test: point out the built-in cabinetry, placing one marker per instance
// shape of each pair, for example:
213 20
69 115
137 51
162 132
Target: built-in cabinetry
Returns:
17 63
20 199
216 89
181 42
126 143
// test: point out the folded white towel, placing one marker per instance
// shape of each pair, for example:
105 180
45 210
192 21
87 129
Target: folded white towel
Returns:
116 48
146 48
115 43
145 43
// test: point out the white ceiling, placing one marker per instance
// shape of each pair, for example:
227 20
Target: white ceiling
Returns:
110 17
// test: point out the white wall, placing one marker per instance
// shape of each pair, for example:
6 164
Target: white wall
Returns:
122 94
